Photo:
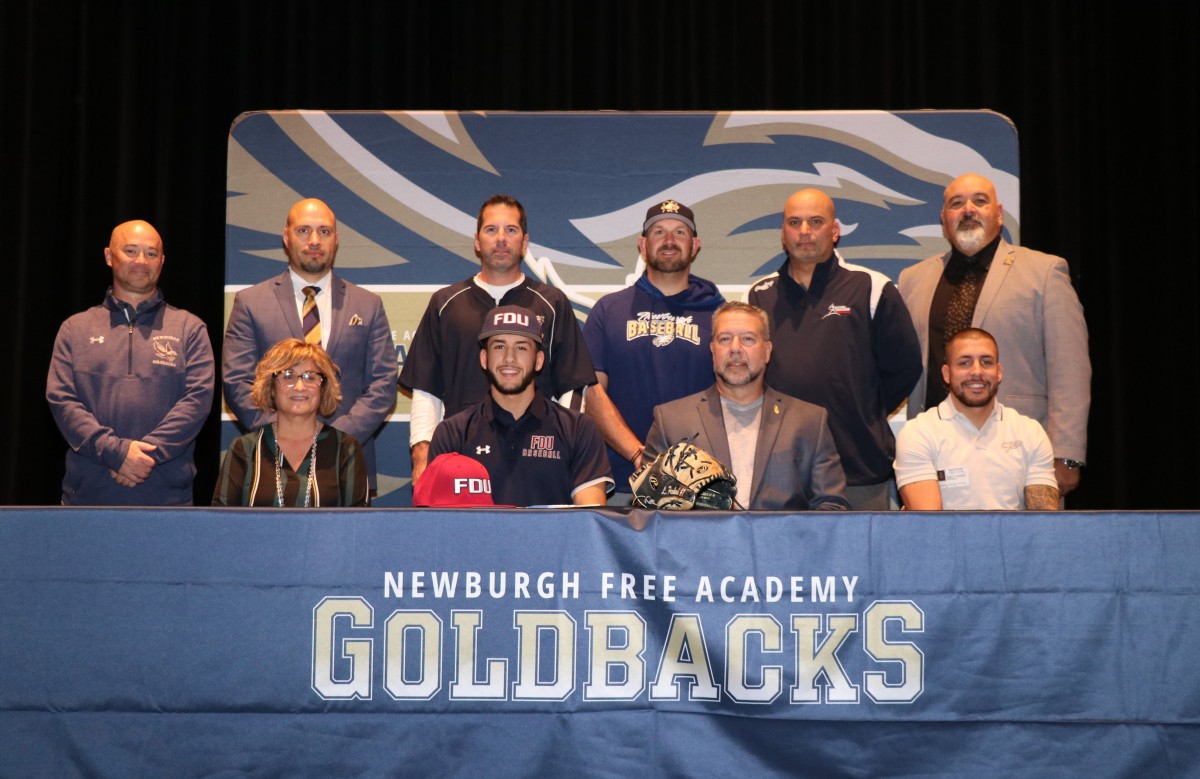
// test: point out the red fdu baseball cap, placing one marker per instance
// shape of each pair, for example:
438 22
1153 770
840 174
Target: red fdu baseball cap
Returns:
454 480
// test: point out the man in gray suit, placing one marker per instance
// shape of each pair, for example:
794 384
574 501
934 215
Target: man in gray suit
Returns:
1022 297
779 447
307 301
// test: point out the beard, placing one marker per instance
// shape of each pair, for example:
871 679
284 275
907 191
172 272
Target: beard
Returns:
969 238
312 265
749 377
510 390
973 402
670 265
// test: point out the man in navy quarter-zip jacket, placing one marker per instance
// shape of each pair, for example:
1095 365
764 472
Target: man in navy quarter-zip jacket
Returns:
130 384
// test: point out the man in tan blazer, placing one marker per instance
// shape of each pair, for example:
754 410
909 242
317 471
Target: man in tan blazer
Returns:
1022 297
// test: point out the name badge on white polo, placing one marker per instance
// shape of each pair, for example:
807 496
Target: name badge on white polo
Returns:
954 477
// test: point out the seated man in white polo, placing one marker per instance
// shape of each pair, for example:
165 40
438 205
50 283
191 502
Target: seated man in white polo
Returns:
972 452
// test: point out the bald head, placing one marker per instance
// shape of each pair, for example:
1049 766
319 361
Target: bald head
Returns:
311 208
969 183
136 231
971 213
810 227
811 200
135 254
310 239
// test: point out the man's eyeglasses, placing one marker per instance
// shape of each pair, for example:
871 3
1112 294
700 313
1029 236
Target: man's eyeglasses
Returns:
290 376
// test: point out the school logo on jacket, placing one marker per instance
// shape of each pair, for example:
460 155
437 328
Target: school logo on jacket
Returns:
164 351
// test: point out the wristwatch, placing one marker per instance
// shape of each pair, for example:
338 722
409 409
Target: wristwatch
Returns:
1072 464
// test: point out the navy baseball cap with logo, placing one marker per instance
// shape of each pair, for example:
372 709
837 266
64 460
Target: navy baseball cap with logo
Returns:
510 320
670 209
454 480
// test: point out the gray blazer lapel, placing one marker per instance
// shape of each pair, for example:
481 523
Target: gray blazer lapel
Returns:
287 305
769 424
713 423
1001 265
337 312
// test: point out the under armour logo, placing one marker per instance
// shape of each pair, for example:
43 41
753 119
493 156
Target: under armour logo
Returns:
96 339
483 450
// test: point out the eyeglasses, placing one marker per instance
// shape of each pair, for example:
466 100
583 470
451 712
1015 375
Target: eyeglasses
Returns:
290 377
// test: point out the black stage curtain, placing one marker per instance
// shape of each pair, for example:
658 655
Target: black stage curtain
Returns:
121 110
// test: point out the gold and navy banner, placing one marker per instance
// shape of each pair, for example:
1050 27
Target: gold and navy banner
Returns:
406 187
254 642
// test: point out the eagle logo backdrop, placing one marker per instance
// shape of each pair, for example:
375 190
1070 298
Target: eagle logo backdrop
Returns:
406 186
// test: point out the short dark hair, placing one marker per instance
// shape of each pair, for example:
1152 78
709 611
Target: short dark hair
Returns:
970 332
502 200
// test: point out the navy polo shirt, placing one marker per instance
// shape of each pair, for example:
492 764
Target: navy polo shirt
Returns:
541 458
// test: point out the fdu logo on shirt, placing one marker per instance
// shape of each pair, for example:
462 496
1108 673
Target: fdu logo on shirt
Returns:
542 446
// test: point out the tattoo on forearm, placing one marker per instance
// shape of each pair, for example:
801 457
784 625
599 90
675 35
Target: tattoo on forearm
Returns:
1041 498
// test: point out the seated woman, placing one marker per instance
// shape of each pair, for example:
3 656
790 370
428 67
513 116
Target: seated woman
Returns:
296 460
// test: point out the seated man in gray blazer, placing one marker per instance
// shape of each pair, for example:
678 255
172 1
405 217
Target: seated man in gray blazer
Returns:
307 301
779 448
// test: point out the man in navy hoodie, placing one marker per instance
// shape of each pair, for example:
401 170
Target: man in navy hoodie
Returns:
649 342
130 384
